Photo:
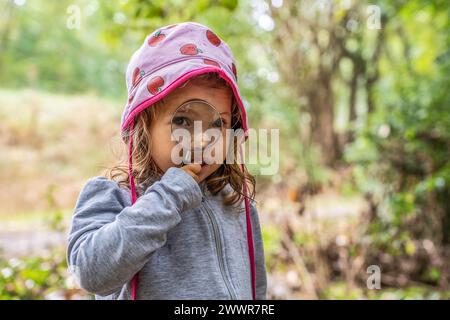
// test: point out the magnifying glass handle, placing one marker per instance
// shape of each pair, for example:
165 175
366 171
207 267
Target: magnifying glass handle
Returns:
187 157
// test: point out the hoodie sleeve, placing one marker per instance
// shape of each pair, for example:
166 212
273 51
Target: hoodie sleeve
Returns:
110 239
261 276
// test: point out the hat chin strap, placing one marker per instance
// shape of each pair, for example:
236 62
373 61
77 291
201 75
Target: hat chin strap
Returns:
134 281
251 251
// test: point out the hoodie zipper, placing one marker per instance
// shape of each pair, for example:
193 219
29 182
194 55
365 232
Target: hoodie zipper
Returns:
218 244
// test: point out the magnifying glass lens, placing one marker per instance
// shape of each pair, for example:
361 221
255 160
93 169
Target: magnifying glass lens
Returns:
193 122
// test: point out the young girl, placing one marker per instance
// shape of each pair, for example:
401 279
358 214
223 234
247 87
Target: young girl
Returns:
157 230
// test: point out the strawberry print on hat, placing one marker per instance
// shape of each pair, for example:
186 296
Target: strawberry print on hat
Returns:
190 49
155 39
233 68
137 75
213 38
155 84
211 63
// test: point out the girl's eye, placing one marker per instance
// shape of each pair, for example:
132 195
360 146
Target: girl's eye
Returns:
181 121
219 123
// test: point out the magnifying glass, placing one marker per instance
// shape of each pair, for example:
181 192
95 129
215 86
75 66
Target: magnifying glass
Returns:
197 125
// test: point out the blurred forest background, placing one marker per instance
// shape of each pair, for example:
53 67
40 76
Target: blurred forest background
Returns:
360 91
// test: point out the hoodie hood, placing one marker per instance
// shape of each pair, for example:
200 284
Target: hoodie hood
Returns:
168 58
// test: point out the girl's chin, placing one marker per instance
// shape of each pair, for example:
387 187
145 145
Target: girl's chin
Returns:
204 168
208 169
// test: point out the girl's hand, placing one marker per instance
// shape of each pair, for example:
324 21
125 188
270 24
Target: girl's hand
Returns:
193 169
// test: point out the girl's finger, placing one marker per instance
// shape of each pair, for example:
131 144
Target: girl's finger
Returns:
193 167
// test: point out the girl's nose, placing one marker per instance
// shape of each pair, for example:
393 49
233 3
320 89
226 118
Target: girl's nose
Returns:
200 141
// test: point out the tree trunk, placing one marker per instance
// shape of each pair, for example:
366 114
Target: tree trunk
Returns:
323 134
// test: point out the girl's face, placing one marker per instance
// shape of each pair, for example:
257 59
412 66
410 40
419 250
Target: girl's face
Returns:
161 129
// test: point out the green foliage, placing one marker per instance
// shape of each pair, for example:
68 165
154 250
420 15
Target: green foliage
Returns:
402 155
271 237
37 277
42 52
45 53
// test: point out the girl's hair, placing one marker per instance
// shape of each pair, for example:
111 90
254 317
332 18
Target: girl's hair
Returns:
146 171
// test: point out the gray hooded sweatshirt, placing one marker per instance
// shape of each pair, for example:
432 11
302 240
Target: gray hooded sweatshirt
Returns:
182 240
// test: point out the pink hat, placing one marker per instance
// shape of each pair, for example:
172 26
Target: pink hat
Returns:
167 58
